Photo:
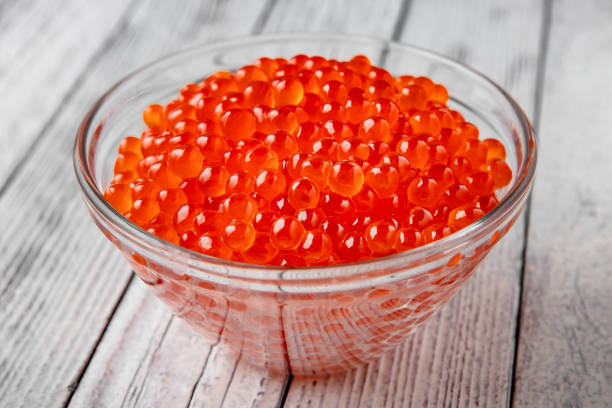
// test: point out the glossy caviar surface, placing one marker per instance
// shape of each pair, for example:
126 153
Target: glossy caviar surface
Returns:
306 161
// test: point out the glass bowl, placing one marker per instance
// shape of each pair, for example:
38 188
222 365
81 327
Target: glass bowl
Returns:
311 320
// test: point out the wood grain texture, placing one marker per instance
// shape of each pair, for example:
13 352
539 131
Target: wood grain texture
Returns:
565 352
60 280
76 329
44 48
365 18
464 355
228 381
146 358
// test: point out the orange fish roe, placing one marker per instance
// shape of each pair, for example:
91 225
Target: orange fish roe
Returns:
306 162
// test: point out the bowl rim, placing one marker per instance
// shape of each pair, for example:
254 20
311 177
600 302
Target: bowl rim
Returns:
93 196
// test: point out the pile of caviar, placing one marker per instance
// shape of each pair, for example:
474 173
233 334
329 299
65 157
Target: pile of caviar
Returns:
306 161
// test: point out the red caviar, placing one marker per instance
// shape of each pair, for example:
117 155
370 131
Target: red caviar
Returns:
307 161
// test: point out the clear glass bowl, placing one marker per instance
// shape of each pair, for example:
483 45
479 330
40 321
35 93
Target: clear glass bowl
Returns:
306 320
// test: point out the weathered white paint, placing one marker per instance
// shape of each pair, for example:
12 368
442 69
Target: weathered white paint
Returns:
61 283
565 351
45 47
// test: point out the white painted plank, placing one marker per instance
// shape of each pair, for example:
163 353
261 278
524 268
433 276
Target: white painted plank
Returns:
53 307
146 357
45 46
228 381
464 355
365 18
60 279
565 352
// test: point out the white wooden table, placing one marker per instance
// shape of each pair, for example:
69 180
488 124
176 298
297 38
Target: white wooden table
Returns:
533 327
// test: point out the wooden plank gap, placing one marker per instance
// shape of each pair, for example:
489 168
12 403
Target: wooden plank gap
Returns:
283 397
195 385
398 28
153 354
264 16
112 38
77 381
542 59
402 17
230 379
538 98
142 361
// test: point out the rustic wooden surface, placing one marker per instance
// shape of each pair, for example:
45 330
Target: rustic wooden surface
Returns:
531 328
566 314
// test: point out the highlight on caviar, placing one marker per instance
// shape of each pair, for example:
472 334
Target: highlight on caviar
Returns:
306 161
